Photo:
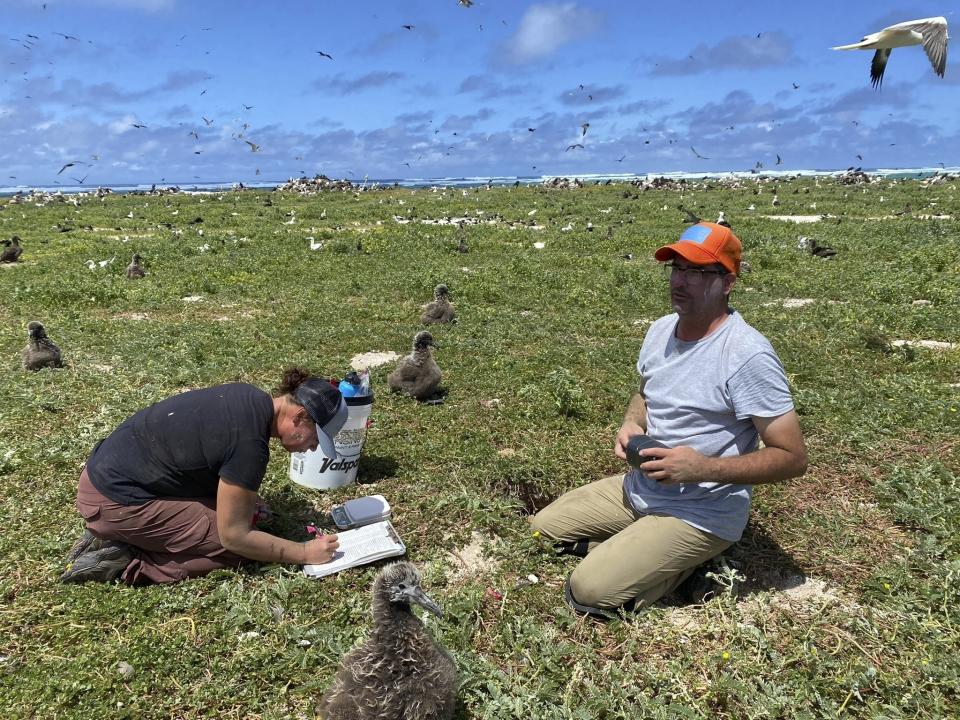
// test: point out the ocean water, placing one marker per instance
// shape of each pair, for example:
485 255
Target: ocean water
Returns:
480 181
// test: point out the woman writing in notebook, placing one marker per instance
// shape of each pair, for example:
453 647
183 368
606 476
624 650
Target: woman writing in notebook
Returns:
170 493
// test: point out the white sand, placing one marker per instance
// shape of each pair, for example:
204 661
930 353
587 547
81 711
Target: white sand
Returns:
372 359
469 561
791 302
795 218
929 344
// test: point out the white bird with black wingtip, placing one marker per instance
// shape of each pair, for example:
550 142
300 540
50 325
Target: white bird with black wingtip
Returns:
929 32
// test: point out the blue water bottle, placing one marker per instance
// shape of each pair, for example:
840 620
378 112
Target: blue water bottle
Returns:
350 385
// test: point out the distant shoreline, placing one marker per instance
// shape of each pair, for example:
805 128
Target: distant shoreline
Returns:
479 181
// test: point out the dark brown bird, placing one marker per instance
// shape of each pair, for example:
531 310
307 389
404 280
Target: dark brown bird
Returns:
135 269
399 671
440 310
417 374
12 251
40 351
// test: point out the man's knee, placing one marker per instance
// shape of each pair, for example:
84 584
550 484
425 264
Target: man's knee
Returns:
590 590
541 523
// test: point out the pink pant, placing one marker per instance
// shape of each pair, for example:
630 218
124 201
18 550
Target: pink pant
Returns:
172 538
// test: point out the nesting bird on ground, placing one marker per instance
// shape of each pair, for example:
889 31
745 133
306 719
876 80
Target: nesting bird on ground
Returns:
40 351
722 220
822 251
440 310
135 269
12 251
417 374
929 32
399 671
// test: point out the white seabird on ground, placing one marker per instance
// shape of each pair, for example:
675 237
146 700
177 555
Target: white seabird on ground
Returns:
929 32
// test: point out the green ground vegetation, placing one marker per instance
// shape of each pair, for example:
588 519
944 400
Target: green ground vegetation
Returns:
849 608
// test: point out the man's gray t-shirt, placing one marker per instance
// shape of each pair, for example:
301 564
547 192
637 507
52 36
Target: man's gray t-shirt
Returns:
703 394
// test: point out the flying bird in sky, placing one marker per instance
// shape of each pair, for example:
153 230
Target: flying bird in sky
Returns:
69 164
584 128
247 107
465 3
321 53
571 147
137 125
407 27
929 32
253 146
208 122
698 154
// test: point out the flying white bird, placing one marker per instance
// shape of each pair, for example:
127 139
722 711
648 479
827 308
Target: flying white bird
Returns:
929 32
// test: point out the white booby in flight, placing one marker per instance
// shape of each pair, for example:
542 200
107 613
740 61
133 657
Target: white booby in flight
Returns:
929 32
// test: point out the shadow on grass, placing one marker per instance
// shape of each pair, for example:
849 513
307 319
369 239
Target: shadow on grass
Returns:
766 565
374 468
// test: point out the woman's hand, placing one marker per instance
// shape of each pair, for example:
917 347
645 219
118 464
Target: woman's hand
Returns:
320 550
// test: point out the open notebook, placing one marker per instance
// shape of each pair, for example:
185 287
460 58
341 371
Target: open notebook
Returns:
360 546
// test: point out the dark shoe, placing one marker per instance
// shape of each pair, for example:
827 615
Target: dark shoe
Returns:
88 542
102 565
697 588
713 578
586 609
577 548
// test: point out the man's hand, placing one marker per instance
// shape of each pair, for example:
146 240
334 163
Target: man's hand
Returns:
627 431
675 466
320 550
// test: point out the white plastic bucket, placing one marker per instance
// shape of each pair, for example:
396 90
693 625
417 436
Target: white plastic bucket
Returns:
314 469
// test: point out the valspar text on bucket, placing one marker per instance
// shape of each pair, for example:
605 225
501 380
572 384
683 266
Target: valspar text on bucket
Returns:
316 470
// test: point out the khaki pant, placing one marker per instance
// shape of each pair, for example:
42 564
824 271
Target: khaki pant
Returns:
632 556
172 538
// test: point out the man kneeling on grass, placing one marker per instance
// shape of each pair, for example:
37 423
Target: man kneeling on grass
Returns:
710 386
172 492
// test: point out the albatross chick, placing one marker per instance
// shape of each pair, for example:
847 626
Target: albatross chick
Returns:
135 269
417 374
12 251
40 351
398 671
440 310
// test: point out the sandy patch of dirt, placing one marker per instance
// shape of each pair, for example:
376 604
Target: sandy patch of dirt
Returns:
929 344
791 302
372 359
469 561
133 316
795 218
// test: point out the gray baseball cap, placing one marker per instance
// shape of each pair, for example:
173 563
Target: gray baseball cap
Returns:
326 407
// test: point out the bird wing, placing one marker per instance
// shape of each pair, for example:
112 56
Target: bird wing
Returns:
935 42
878 65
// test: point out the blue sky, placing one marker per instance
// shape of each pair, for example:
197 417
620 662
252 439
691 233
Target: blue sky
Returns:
499 88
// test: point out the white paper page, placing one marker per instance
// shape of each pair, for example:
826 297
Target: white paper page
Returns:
359 546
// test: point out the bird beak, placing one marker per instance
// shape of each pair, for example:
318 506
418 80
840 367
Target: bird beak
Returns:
415 594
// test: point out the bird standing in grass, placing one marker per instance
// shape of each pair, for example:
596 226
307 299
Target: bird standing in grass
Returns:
440 310
135 269
12 251
417 374
399 671
40 351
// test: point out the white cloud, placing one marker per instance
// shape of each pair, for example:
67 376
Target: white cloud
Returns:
544 29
